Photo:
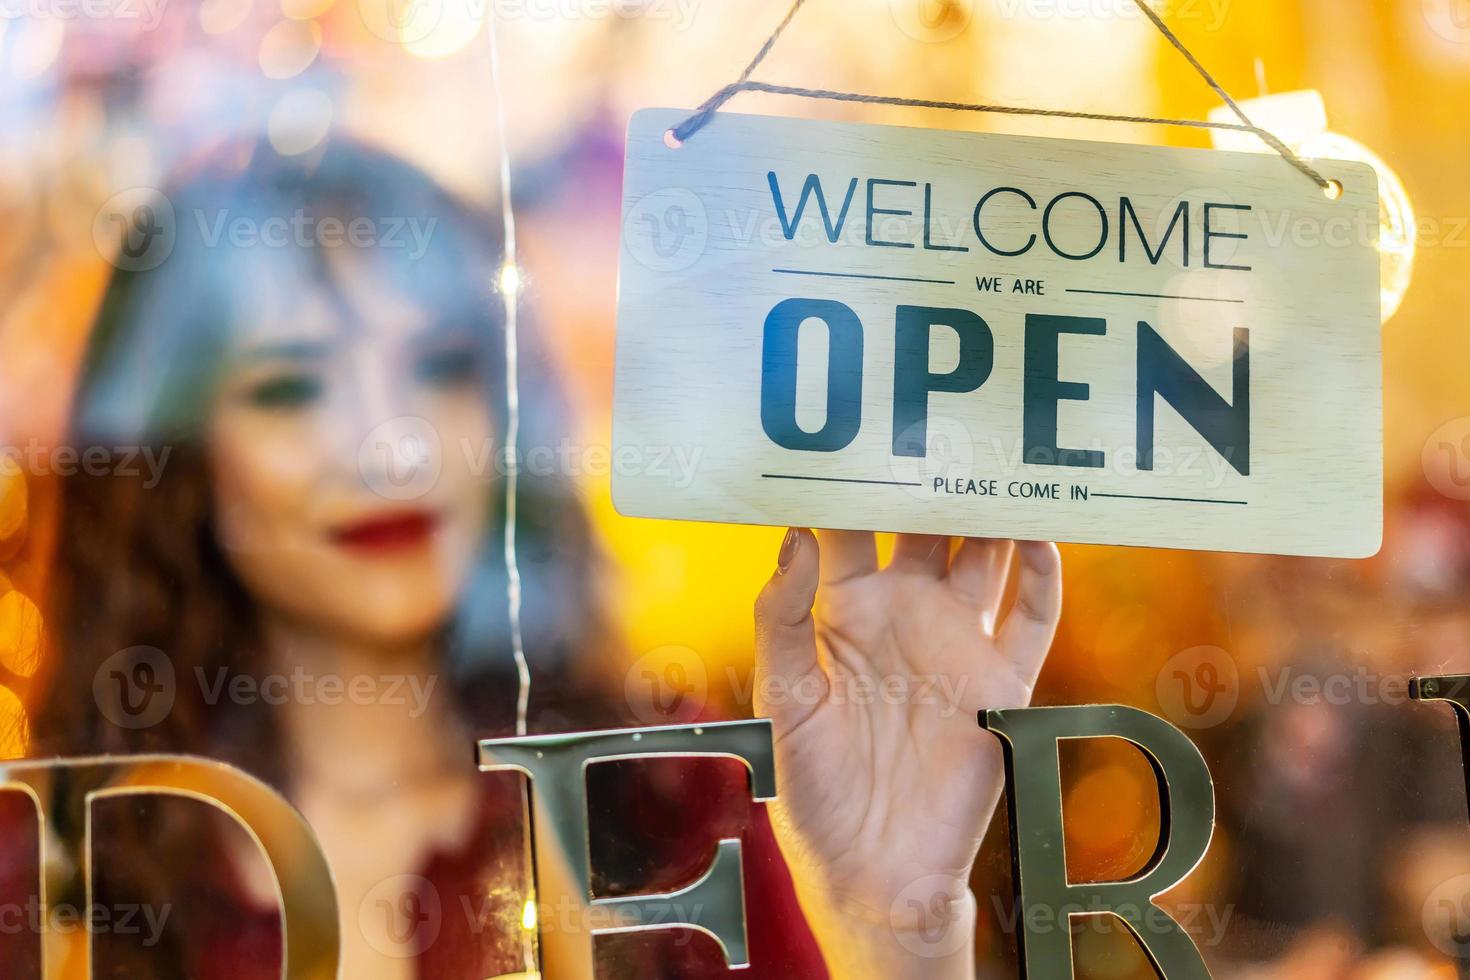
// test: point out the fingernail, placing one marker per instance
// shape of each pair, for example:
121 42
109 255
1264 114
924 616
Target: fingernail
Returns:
788 550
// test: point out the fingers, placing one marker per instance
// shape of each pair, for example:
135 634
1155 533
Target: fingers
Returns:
1026 635
847 554
926 554
785 636
979 573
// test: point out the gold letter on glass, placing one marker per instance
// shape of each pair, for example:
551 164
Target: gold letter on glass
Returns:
308 901
569 916
1033 780
1454 690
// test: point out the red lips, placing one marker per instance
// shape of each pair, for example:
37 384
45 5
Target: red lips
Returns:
396 531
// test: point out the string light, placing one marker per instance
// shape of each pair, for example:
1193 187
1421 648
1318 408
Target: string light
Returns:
510 280
510 276
510 285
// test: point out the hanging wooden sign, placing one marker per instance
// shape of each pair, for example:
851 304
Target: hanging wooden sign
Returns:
872 327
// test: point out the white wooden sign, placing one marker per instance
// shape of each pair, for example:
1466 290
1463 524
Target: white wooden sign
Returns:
872 327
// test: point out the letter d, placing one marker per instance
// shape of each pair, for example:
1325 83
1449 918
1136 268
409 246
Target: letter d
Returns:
309 926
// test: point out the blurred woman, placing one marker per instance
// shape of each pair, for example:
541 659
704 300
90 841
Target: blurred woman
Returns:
330 408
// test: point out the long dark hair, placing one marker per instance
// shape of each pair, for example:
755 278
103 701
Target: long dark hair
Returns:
137 565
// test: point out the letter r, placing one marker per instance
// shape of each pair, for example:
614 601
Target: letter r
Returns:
1029 738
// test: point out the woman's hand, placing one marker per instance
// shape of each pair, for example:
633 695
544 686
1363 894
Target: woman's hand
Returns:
873 679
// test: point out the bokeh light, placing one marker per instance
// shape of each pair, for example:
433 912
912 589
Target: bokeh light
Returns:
289 48
300 120
1299 119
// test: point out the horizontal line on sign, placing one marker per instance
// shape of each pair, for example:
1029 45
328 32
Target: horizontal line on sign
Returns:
1198 299
1181 500
838 479
863 275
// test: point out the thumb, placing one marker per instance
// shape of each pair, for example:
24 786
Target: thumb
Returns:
785 635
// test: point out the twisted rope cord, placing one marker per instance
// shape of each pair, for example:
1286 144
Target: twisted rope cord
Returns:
702 115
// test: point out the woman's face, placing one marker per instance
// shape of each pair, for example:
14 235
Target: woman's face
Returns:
350 446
